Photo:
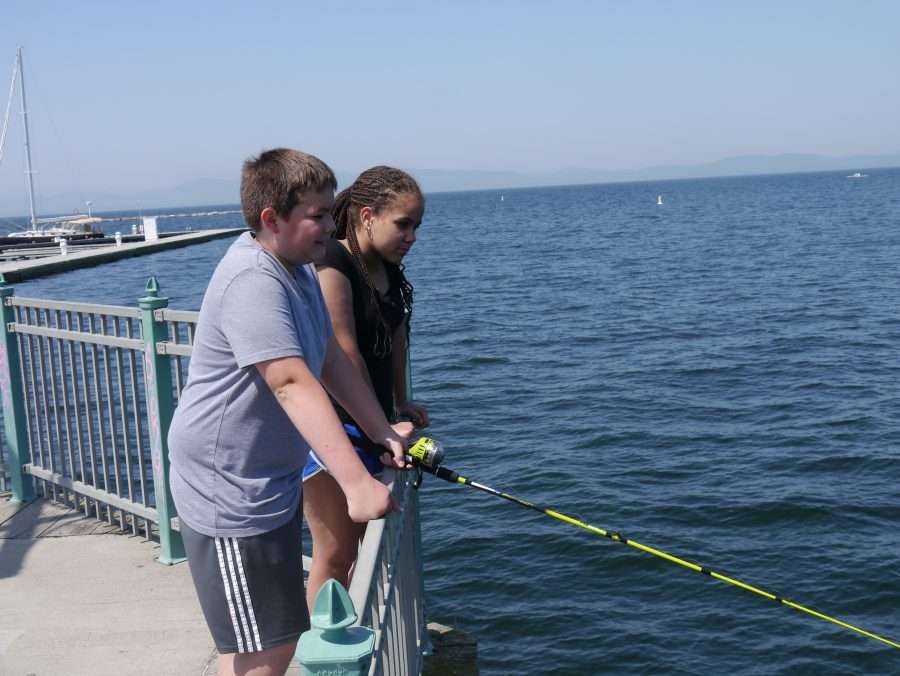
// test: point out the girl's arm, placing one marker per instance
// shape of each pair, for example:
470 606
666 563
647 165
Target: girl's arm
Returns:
344 382
399 357
402 403
339 300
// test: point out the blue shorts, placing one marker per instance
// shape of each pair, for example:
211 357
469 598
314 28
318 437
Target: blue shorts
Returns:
374 465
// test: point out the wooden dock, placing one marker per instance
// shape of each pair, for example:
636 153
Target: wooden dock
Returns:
17 271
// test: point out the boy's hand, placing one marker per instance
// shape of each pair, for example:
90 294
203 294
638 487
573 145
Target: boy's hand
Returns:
415 412
396 441
370 499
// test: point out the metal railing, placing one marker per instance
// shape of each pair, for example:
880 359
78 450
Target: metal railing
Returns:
86 410
181 326
84 400
4 473
387 587
88 393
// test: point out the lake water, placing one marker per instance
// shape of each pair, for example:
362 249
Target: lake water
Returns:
717 377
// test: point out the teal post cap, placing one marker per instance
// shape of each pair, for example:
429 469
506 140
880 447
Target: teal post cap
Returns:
152 287
332 646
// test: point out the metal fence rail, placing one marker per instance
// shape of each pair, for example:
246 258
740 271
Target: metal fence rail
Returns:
85 402
181 326
387 590
4 473
86 409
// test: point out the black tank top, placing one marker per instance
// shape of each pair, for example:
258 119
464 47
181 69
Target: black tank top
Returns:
392 309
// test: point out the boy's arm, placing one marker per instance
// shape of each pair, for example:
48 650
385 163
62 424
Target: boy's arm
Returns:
307 405
341 378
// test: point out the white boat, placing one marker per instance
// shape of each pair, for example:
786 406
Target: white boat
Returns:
659 200
76 225
63 226
857 174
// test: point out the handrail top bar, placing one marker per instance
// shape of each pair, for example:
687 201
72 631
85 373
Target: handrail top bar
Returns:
168 315
366 562
369 552
175 349
93 308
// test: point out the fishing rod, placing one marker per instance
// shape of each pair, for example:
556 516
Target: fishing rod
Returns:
428 455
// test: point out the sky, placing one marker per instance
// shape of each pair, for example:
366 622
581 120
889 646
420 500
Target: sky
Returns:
125 97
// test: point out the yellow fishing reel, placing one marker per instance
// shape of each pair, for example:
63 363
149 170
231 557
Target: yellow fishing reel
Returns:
427 454
427 451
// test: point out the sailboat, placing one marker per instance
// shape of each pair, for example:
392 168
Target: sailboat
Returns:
76 225
659 200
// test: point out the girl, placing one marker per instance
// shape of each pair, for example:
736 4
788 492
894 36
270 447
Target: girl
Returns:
370 303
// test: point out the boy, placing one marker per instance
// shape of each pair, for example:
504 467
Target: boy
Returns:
253 407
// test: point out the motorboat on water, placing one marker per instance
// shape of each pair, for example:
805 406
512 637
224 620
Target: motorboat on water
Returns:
857 174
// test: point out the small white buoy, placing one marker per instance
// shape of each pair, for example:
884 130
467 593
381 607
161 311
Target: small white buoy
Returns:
659 200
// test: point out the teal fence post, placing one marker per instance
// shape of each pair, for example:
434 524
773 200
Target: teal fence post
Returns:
160 407
13 403
333 645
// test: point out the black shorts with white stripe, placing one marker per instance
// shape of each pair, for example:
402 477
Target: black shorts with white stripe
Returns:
250 588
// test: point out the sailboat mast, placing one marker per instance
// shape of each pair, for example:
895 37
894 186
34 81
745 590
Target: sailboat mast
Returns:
28 171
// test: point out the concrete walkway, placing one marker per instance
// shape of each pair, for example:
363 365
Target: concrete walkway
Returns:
79 597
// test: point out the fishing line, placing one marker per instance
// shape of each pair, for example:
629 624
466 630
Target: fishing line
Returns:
428 456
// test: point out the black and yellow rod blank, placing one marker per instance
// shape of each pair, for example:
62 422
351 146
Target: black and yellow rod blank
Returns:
454 477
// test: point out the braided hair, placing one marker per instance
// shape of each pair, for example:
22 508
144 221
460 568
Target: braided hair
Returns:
375 188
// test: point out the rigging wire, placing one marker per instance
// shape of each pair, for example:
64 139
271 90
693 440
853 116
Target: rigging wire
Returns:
12 91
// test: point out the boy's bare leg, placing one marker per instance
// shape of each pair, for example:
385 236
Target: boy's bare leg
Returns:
272 662
335 536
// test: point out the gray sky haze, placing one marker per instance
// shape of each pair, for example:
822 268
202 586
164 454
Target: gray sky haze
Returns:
127 98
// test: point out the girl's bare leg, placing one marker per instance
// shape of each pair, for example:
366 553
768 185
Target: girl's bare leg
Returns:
335 537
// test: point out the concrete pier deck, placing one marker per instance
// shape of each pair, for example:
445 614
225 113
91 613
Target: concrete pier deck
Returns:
80 598
16 271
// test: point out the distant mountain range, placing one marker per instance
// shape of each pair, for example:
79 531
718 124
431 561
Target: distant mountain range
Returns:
225 191
440 180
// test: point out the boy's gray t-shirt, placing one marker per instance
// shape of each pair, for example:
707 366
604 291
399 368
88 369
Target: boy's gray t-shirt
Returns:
236 458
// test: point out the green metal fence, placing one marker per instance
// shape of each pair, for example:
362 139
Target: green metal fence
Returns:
88 394
87 402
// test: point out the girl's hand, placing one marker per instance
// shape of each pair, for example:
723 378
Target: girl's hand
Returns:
396 441
415 412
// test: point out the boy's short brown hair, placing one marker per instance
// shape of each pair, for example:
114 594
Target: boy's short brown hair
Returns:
277 179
